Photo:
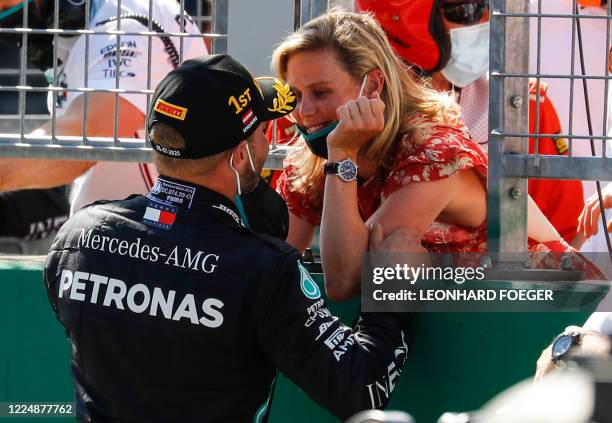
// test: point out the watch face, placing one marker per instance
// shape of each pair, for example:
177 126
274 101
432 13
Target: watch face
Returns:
347 170
561 346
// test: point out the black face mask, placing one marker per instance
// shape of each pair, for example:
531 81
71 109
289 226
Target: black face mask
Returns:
264 211
317 142
40 16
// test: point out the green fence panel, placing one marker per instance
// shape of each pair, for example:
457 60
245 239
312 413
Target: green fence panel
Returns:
458 360
34 352
457 363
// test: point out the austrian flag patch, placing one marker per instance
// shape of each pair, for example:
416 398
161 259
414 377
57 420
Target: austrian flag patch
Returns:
248 120
171 110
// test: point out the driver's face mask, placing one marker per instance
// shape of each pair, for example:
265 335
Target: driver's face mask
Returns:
261 209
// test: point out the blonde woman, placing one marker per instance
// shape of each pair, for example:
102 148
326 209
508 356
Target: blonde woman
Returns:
396 152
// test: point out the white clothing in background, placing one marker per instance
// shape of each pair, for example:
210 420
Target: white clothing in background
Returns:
115 180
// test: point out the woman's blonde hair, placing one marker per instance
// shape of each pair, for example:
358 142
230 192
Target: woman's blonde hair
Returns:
360 45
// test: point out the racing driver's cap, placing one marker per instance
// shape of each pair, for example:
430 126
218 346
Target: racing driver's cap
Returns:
214 103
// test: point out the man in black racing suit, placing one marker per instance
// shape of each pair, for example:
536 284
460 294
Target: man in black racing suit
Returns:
175 309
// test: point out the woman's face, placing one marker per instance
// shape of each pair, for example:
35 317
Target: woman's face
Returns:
321 85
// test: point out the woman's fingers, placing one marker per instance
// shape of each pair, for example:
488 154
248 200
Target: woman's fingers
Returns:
594 219
586 217
359 121
581 222
344 116
358 118
366 113
363 114
376 236
588 221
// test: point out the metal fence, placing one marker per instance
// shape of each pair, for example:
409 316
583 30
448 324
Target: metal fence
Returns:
209 15
510 163
304 10
30 88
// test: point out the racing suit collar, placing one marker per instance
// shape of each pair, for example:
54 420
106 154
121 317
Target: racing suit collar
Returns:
186 195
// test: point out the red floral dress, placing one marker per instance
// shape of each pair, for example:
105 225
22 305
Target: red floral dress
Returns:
446 149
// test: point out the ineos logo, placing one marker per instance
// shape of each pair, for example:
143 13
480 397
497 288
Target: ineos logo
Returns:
76 2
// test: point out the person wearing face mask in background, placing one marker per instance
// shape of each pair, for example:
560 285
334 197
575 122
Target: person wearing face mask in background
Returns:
174 307
96 180
449 40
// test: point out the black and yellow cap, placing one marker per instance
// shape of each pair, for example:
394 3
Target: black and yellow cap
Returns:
214 103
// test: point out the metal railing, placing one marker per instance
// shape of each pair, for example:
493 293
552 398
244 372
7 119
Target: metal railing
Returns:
304 11
22 144
510 163
19 143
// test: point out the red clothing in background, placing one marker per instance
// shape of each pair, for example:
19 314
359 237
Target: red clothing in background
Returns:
560 201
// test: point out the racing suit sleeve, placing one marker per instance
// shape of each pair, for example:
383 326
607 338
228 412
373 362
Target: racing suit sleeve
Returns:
33 213
345 370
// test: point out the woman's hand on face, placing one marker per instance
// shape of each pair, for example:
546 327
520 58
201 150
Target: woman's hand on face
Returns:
359 121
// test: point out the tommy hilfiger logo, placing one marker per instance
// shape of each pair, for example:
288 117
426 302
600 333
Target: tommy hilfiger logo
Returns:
171 110
159 215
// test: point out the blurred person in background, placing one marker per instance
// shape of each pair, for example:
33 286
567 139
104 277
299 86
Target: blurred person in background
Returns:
28 218
556 58
97 180
594 337
449 41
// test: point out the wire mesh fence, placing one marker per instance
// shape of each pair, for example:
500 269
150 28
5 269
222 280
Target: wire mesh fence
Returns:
568 51
562 65
107 43
579 76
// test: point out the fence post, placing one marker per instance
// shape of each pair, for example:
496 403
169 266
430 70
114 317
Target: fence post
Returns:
308 9
219 25
508 112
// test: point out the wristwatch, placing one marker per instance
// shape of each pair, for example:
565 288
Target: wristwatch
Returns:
563 344
346 170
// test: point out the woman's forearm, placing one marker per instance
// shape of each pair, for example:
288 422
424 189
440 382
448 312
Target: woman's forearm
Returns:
344 236
300 233
343 239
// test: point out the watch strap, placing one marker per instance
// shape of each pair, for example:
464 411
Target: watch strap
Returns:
331 168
